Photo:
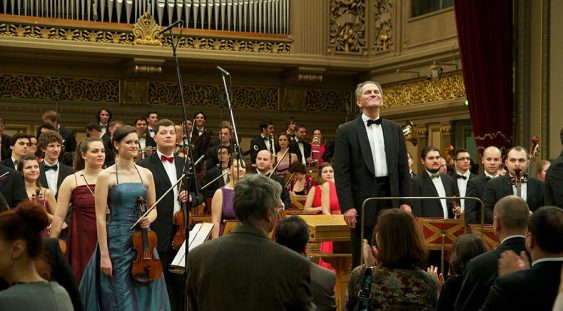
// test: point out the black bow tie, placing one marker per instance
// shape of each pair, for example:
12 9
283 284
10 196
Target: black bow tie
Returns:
301 142
487 178
376 121
266 138
437 175
48 167
458 176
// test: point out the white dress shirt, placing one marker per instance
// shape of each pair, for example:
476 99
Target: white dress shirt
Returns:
441 193
462 186
377 145
523 190
170 169
52 176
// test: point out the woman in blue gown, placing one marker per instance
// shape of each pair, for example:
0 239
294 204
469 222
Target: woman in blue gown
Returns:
107 283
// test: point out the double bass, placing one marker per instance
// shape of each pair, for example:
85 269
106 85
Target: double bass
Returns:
146 267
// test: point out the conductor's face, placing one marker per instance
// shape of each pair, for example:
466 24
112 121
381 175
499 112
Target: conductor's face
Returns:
371 97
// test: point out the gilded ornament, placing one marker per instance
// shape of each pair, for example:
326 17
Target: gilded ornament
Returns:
146 31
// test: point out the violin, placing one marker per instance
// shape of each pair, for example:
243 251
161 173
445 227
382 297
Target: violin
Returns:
146 267
180 234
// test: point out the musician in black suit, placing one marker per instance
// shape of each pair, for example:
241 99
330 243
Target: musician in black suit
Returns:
511 216
4 142
69 141
554 180
223 155
12 186
104 118
52 172
461 173
18 145
430 183
531 189
534 288
166 168
201 137
370 160
264 166
264 141
211 159
491 160
145 139
410 161
300 147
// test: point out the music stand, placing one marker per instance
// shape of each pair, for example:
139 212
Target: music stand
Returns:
487 233
440 234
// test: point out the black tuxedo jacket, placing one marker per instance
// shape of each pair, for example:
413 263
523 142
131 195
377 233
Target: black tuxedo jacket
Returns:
69 141
9 163
501 186
294 148
354 169
257 144
164 223
64 171
531 289
554 183
12 186
6 151
480 274
422 186
210 175
476 188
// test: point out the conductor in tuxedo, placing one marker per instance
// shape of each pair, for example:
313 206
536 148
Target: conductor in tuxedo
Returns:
431 183
245 270
554 180
167 168
370 160
528 188
534 288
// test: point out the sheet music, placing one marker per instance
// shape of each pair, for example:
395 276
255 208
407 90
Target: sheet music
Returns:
199 234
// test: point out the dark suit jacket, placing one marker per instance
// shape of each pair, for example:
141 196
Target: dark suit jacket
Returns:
12 186
476 188
247 271
501 186
531 289
554 183
6 151
454 178
322 286
481 273
422 186
257 144
294 148
354 170
210 175
69 141
9 163
64 171
164 223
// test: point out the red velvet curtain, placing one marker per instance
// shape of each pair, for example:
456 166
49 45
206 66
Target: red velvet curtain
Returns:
484 30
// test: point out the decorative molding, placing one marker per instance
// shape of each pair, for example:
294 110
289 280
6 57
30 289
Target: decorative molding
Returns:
327 100
347 27
383 26
264 45
423 91
146 31
70 89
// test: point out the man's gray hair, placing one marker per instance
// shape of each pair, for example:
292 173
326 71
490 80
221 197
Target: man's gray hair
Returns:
359 87
254 195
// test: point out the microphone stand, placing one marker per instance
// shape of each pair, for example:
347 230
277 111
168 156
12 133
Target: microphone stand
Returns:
236 148
189 166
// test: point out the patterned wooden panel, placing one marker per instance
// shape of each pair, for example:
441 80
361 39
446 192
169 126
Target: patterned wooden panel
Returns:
488 234
438 233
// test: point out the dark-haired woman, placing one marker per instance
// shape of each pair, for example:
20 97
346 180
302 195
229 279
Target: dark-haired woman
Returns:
107 283
29 167
397 282
20 246
78 189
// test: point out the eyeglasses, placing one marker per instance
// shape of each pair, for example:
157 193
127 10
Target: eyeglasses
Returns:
463 158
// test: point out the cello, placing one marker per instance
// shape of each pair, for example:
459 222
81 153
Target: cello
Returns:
146 267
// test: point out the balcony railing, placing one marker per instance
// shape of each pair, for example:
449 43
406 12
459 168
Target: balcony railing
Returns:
257 16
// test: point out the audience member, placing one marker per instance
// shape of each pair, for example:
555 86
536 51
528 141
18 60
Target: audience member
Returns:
293 233
20 246
396 260
261 273
532 288
510 221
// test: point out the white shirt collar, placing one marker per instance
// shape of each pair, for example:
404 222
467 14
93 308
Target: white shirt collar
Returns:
491 176
547 259
511 237
366 118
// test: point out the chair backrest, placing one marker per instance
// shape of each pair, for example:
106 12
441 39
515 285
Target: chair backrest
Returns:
298 201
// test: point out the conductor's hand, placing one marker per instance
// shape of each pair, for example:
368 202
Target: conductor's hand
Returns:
406 208
105 266
350 217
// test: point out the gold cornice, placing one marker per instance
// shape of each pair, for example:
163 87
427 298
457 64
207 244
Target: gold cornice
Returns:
449 87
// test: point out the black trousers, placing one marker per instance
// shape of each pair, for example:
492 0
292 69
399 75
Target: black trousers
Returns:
175 283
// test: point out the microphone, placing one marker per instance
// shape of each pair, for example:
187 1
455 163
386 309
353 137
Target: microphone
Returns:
223 71
174 24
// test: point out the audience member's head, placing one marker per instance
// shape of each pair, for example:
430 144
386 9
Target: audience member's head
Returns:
510 216
545 233
465 248
257 201
293 233
398 240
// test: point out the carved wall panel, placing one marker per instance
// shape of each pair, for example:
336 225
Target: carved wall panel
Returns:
327 100
52 88
347 26
420 92
383 26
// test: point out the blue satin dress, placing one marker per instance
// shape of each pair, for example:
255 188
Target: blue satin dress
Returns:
121 291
